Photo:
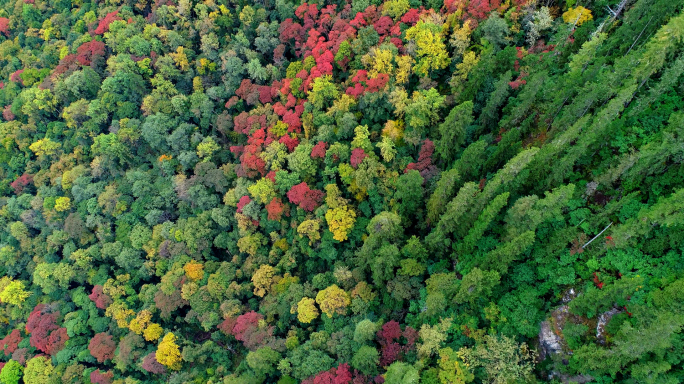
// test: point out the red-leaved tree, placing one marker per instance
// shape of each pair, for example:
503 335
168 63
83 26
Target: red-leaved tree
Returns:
151 365
388 338
357 157
102 347
103 26
336 375
91 53
307 199
10 342
246 328
244 200
424 164
275 209
169 303
318 151
4 25
16 77
99 377
21 182
101 299
46 335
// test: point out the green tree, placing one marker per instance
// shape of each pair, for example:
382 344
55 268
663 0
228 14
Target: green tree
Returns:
263 360
39 370
402 373
11 373
477 284
453 131
366 360
503 359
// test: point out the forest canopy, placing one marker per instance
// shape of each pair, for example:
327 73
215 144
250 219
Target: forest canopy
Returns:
347 192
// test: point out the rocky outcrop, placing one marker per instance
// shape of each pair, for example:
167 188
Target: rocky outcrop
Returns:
603 319
549 342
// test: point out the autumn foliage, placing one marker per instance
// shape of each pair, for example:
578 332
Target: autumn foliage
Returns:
46 335
306 198
103 25
102 347
10 342
101 299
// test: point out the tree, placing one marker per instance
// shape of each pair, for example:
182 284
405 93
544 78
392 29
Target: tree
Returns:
336 375
340 221
194 270
433 337
151 365
402 373
366 360
100 377
541 21
46 335
12 291
153 332
38 370
333 300
421 112
577 16
479 227
453 130
477 284
4 26
495 30
306 310
310 229
45 147
365 331
263 360
250 329
11 373
503 359
103 25
323 91
305 198
263 279
447 185
409 195
431 52
168 353
452 368
424 164
102 347
460 38
101 299
10 342
263 190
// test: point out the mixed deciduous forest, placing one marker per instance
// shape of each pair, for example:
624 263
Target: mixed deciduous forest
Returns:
343 192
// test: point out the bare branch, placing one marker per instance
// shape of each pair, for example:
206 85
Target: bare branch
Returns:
595 237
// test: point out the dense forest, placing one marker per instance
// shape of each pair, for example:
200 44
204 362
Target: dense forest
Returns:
344 192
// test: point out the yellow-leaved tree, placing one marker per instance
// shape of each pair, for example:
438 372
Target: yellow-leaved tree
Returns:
577 16
12 291
153 332
306 310
194 270
310 229
431 52
141 321
263 280
339 216
168 353
333 300
62 204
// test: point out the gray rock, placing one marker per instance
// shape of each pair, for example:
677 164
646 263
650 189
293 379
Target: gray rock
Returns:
550 342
